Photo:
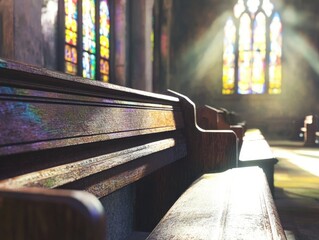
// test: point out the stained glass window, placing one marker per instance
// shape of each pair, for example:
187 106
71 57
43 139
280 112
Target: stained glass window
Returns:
87 38
275 56
104 41
244 55
229 58
71 36
252 49
259 54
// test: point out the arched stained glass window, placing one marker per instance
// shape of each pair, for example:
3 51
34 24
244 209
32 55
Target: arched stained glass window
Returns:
71 36
229 58
275 55
104 40
244 55
87 38
252 49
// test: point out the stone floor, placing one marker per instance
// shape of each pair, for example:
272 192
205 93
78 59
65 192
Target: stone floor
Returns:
297 189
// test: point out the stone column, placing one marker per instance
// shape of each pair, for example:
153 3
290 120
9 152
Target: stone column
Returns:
140 44
28 36
120 36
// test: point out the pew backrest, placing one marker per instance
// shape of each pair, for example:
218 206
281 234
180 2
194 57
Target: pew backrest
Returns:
212 118
64 132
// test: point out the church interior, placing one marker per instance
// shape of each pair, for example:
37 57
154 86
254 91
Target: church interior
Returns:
256 60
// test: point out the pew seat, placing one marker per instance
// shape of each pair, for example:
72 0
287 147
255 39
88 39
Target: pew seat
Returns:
255 151
236 204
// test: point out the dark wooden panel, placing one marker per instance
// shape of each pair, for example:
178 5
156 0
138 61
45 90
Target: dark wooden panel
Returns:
210 118
41 109
208 150
68 173
19 75
33 120
50 214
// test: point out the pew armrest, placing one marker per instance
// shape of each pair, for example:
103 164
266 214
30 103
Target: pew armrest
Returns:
37 213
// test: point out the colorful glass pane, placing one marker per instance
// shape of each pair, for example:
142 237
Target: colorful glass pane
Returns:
71 68
104 68
88 10
259 54
229 58
89 65
70 50
275 55
104 40
239 8
88 38
256 46
152 39
253 5
244 55
70 37
87 57
267 7
70 54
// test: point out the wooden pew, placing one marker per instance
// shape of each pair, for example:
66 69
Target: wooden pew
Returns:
212 118
135 151
37 214
311 130
235 204
255 151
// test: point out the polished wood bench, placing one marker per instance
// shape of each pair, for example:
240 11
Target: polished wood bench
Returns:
255 151
236 204
135 151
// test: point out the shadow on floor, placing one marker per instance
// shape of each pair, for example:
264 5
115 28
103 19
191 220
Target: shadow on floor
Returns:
297 190
299 215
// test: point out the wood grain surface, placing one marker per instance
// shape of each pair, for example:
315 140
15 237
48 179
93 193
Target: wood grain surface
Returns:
236 204
37 214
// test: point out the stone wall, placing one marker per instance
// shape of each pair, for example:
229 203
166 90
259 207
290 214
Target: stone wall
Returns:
196 62
28 38
49 14
29 31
